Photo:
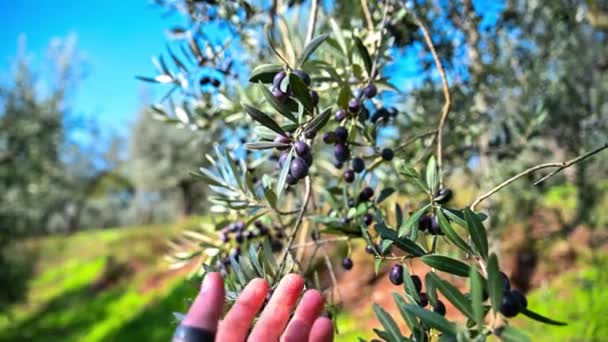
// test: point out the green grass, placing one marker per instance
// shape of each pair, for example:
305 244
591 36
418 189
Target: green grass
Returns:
62 305
579 298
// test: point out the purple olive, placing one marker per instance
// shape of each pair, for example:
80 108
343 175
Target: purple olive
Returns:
347 263
341 152
349 176
329 137
298 168
370 91
341 134
396 275
278 78
354 105
358 165
387 154
340 115
302 148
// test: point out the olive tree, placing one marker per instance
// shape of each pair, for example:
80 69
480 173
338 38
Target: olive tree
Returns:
322 165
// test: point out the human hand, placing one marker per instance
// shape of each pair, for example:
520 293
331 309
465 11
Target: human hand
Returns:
202 321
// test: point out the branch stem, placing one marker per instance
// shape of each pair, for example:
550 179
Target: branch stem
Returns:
298 222
312 21
559 167
446 94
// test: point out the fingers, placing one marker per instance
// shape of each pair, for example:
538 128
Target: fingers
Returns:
322 330
305 315
206 310
274 318
235 325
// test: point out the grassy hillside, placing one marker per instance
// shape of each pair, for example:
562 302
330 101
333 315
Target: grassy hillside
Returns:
112 285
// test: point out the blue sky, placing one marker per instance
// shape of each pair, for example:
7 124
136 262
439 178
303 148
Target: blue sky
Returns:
118 38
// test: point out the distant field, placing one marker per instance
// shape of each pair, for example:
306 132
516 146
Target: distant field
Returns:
76 296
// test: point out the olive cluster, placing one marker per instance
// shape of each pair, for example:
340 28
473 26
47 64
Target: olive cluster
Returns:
513 301
396 277
298 164
339 137
236 233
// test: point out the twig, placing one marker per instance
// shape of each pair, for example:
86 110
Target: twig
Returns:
413 139
297 224
320 242
379 43
312 21
332 274
367 15
446 94
559 166
569 163
284 30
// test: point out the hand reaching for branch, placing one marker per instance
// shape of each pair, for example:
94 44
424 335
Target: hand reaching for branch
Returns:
202 323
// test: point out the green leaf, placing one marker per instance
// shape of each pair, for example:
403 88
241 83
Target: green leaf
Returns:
452 294
265 73
409 319
408 284
495 283
300 91
510 334
264 145
432 177
283 175
385 246
311 47
431 289
388 323
447 264
541 318
263 119
398 215
478 233
412 220
412 174
316 123
362 50
276 104
431 319
449 232
377 264
384 194
344 96
404 244
476 290
338 35
253 256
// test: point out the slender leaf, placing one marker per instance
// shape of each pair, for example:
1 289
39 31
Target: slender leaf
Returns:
344 96
447 264
398 215
404 243
384 194
476 290
431 289
449 232
408 284
541 318
388 323
452 294
478 233
511 334
316 123
283 175
277 104
265 73
264 145
412 174
362 50
300 91
431 319
495 283
408 317
311 47
263 119
432 177
412 220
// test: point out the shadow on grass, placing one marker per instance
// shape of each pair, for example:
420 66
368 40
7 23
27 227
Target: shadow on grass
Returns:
156 321
64 318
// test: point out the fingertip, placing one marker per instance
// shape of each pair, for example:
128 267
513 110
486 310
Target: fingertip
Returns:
212 280
314 296
322 330
293 280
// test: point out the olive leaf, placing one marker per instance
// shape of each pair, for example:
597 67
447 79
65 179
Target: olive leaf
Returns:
447 264
362 50
495 283
277 104
311 47
263 119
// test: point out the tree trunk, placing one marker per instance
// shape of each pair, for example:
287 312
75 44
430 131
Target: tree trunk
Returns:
187 192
